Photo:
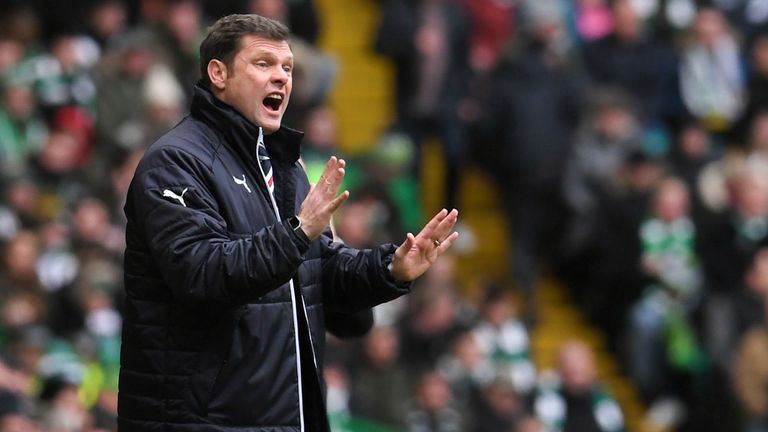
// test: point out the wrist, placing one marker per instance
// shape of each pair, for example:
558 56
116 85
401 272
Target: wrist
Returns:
389 265
390 270
296 224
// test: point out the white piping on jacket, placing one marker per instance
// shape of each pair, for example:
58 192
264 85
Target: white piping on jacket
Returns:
293 308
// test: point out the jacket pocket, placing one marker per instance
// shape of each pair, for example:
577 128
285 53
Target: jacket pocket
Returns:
259 384
211 360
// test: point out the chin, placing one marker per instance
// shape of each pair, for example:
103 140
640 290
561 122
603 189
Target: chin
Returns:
270 124
270 128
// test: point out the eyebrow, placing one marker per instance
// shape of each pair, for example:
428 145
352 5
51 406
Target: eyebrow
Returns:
269 54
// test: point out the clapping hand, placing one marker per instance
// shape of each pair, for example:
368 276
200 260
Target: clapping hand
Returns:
323 199
419 252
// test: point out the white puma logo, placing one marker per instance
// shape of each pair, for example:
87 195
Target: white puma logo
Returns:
180 198
242 182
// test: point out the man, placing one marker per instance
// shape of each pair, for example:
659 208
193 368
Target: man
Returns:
230 264
573 399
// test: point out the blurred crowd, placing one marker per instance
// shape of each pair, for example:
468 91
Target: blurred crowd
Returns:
627 141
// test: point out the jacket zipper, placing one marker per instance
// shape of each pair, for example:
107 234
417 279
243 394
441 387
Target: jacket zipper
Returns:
293 302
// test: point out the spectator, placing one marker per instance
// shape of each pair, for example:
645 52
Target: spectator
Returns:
661 333
500 408
164 98
388 165
62 76
176 40
730 317
362 221
434 321
529 424
503 339
106 21
628 59
121 108
59 168
748 311
12 422
692 152
432 409
468 371
428 41
757 83
751 378
16 385
62 410
573 400
729 241
337 396
23 198
757 139
532 115
711 77
93 231
22 130
605 140
11 53
493 23
299 15
620 217
23 303
380 383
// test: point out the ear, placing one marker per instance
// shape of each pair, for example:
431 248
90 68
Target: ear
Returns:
217 74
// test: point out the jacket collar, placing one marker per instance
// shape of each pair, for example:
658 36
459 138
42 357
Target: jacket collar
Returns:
241 133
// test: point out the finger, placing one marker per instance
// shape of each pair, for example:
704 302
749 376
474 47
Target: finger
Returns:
332 185
447 224
432 231
338 201
330 167
327 175
410 240
446 244
339 175
316 189
433 223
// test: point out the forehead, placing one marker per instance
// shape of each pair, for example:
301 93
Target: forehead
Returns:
251 45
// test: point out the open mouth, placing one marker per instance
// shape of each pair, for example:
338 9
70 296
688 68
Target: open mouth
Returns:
273 101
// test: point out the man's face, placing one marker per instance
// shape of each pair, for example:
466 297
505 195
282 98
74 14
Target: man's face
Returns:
258 83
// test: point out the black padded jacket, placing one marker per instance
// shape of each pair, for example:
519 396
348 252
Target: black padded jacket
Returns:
219 289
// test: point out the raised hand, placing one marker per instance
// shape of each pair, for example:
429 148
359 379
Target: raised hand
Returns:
418 253
323 199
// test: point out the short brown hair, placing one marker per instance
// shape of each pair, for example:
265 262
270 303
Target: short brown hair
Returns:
223 39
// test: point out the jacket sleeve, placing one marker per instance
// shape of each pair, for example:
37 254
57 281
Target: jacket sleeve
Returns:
357 279
349 325
188 238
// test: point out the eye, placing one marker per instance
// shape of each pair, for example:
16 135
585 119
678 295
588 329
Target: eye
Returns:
288 69
261 64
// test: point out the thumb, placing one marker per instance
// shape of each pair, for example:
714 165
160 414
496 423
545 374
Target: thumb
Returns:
406 246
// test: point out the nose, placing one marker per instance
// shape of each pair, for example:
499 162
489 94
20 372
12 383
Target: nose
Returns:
280 76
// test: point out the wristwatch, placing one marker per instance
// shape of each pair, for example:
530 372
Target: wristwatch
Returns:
294 222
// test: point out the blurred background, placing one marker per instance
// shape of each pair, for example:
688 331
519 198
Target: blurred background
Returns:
609 159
